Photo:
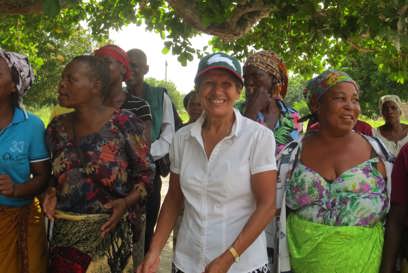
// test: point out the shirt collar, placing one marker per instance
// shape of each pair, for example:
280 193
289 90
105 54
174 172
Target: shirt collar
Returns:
196 127
19 115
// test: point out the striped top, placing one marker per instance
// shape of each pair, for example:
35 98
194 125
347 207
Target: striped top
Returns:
138 106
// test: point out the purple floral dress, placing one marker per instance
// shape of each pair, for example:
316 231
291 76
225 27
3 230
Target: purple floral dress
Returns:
358 197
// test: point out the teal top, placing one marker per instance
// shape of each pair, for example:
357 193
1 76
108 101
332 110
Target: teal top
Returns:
154 96
22 142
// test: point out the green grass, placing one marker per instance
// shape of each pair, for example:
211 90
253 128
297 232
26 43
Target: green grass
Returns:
45 113
375 123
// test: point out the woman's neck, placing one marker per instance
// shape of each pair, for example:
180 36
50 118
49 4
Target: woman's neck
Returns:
219 126
137 90
89 115
331 136
6 115
117 97
394 125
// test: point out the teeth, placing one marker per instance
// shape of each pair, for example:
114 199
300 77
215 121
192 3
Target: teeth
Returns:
217 101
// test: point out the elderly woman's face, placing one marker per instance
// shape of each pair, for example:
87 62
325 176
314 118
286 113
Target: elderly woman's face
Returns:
77 86
390 111
340 107
116 69
7 86
256 79
218 92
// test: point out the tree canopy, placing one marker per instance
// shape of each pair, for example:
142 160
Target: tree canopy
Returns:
368 38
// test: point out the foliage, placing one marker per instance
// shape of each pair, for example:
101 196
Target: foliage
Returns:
369 38
43 112
296 85
373 83
49 45
171 88
309 34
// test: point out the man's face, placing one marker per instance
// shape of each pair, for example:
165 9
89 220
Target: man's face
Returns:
138 68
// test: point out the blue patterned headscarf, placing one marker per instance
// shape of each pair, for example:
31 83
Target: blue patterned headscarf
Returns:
319 85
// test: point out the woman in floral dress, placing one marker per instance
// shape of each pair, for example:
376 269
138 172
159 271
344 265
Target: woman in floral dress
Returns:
336 187
100 170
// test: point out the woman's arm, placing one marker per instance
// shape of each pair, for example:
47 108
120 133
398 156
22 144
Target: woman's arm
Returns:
147 132
141 172
393 236
264 190
172 205
40 175
120 206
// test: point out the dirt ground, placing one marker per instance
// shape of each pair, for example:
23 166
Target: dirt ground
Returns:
167 254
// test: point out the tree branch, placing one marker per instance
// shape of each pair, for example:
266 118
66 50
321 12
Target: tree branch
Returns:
359 48
244 16
20 6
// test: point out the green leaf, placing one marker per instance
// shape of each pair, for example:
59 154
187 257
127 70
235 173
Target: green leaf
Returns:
51 7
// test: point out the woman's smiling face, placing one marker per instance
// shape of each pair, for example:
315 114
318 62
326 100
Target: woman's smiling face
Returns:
218 91
339 108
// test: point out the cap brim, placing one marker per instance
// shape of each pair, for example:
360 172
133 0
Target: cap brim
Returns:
219 67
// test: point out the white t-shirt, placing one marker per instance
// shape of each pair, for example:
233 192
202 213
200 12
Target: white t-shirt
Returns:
218 200
393 146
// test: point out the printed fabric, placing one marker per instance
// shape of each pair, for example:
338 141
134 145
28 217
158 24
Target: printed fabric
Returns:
358 197
102 167
19 66
271 63
287 162
321 84
77 246
22 239
287 128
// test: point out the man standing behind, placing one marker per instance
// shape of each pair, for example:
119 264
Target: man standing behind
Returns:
162 130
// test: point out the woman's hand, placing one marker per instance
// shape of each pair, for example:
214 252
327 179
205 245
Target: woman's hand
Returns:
260 100
7 186
50 202
150 263
118 207
221 264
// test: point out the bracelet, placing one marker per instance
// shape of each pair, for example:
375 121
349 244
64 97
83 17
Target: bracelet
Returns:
234 253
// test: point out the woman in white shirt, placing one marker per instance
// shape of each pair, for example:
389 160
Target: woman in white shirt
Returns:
223 171
393 133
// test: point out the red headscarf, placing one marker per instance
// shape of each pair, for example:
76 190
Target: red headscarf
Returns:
118 54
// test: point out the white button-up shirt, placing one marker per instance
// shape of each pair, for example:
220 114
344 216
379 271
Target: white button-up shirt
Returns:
218 199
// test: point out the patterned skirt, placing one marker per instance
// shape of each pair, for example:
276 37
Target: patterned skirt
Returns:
76 245
22 239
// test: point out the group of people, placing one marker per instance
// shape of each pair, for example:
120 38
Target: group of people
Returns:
253 192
